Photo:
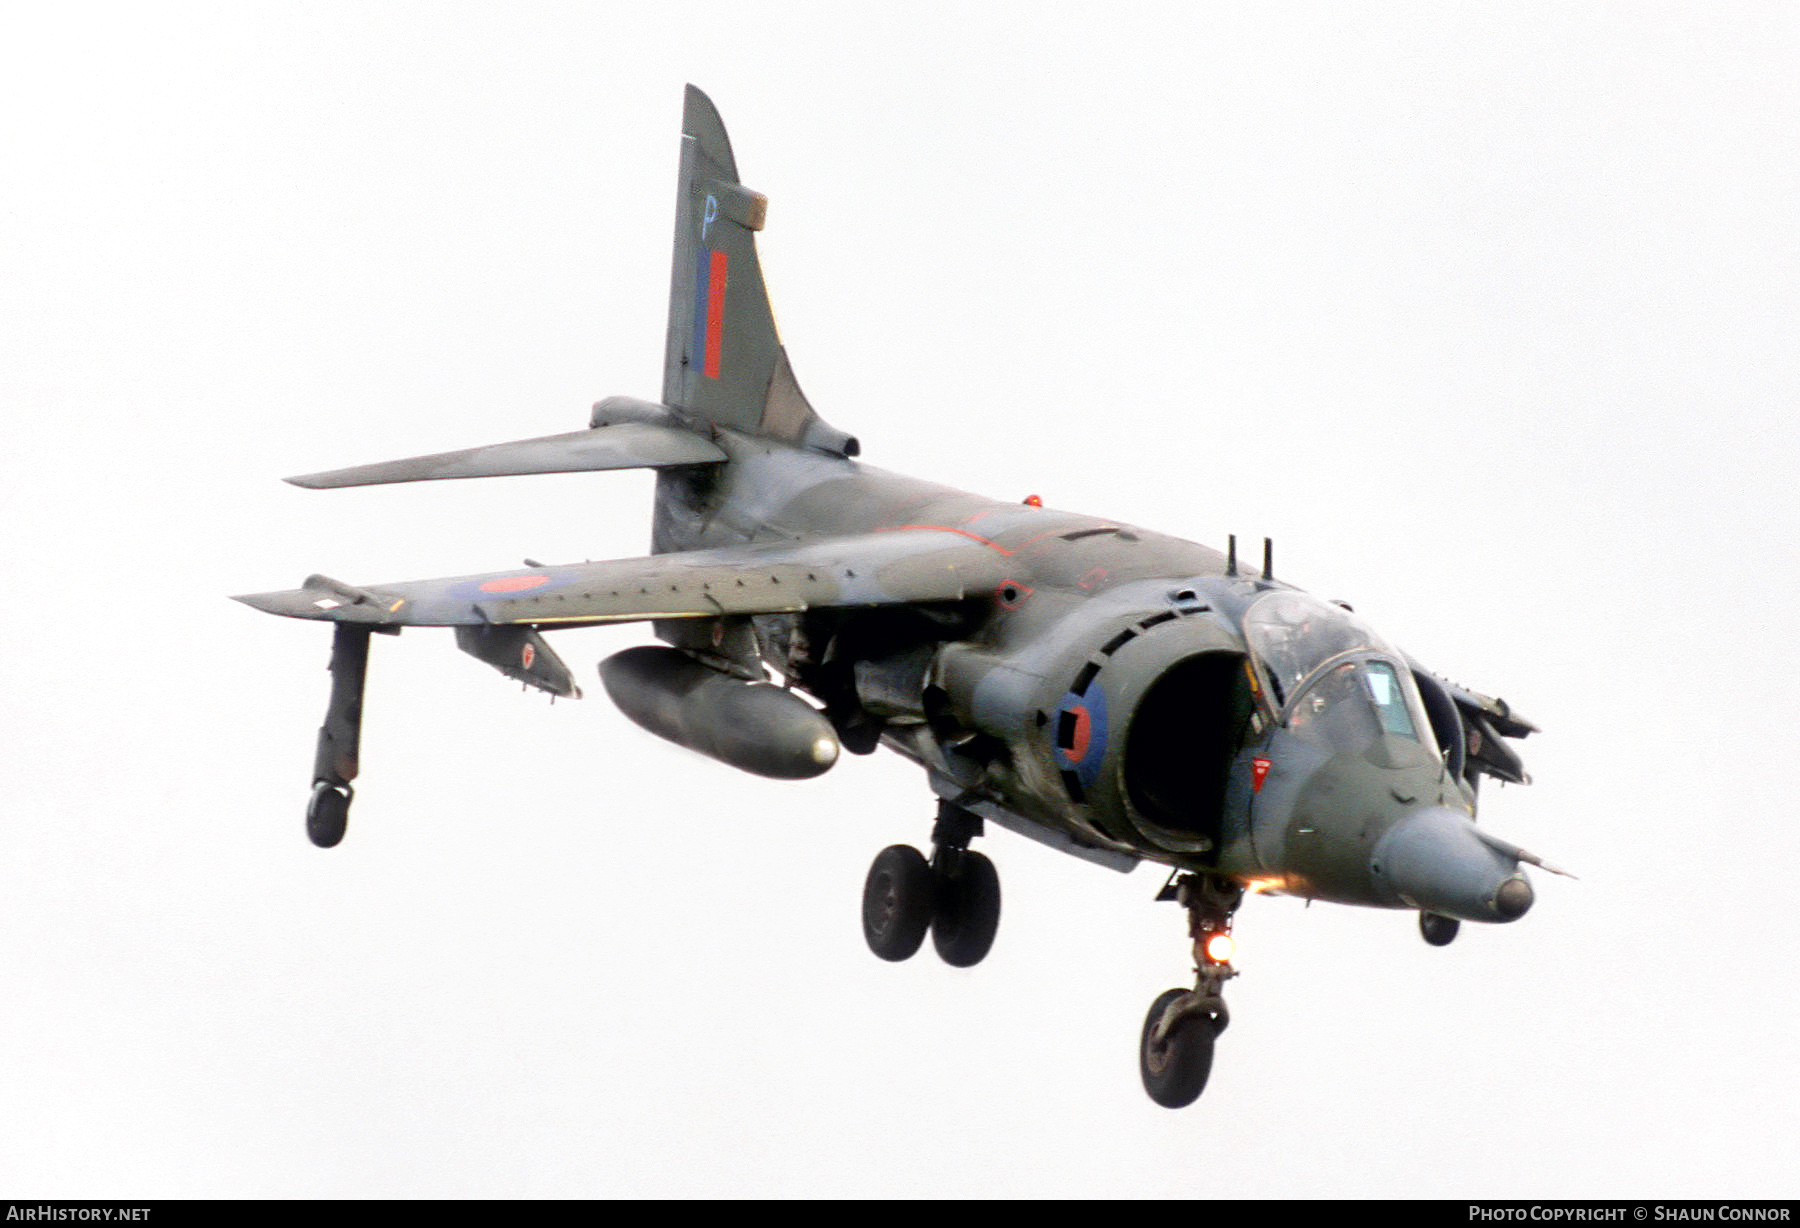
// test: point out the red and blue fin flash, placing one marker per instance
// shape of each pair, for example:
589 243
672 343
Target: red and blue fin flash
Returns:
710 276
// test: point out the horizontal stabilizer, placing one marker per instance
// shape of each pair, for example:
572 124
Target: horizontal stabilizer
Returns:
624 445
866 569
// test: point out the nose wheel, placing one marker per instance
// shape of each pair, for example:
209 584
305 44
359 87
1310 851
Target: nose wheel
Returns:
955 895
1175 1050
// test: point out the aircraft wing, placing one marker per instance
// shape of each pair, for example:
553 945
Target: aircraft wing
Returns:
869 569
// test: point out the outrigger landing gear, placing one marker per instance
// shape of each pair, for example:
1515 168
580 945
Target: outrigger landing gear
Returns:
1176 1049
956 895
335 763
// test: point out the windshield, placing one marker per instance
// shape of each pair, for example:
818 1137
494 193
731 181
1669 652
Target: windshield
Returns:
1291 634
1354 704
1330 674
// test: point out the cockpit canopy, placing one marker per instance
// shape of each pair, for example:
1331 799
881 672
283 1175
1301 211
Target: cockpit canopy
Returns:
1328 672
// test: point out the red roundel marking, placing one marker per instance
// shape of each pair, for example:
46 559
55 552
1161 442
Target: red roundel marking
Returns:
514 584
528 656
1078 738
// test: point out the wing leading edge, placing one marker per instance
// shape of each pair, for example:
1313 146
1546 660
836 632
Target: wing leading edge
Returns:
871 569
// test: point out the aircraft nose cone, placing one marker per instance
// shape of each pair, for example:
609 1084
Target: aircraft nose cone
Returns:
1514 898
1435 859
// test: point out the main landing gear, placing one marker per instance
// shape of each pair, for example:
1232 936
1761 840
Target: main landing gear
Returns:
956 895
335 763
1176 1049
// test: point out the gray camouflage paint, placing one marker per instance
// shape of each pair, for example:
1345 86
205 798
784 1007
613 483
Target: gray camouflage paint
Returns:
1081 680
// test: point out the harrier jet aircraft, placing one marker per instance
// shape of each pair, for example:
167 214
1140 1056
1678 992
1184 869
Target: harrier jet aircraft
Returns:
1111 692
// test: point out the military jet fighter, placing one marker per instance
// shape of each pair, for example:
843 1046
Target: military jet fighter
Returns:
1111 692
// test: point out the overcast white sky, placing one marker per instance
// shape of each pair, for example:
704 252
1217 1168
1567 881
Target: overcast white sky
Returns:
1487 314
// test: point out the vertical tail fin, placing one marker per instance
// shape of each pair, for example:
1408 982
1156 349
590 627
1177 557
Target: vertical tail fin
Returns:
723 360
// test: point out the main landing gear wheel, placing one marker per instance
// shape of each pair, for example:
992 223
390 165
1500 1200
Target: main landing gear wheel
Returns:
1176 1056
897 899
966 914
1438 931
327 814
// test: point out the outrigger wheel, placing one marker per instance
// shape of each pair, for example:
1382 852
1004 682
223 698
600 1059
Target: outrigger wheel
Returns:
328 813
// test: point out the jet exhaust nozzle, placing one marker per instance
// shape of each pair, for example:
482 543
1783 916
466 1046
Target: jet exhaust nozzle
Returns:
750 725
1436 860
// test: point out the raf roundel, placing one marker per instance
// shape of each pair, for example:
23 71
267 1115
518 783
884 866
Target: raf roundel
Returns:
514 584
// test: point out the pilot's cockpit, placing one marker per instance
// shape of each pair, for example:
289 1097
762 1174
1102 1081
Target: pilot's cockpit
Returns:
1327 673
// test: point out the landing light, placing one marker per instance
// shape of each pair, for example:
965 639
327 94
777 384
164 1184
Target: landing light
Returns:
1219 948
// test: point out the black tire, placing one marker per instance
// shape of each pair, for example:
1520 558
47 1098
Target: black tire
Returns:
1175 1071
327 815
966 913
896 908
1438 931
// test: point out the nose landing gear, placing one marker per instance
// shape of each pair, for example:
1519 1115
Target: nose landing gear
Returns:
1175 1050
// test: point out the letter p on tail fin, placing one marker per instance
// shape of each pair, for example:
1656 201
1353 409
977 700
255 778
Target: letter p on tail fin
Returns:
723 360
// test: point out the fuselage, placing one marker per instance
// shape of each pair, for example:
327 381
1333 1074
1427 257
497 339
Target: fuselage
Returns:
1104 690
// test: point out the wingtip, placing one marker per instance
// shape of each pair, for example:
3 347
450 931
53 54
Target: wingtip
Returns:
268 603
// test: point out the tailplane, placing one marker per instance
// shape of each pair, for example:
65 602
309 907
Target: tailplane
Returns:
724 361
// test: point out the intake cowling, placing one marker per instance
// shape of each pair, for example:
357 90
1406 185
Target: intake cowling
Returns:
1128 719
1145 733
750 725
